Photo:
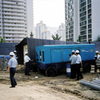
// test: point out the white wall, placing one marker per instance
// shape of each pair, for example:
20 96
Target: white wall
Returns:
76 20
30 21
95 19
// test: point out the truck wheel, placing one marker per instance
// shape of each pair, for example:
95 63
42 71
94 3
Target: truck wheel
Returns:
86 67
51 71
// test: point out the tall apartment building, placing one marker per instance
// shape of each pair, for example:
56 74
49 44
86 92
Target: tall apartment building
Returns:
71 19
14 20
85 19
41 31
61 32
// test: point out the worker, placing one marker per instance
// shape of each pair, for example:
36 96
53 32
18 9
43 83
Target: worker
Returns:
78 66
27 63
73 64
12 68
15 54
97 56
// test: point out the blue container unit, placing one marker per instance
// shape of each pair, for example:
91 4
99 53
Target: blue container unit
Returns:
5 56
53 58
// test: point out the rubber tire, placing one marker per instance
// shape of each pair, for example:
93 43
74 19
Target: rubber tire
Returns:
51 71
86 67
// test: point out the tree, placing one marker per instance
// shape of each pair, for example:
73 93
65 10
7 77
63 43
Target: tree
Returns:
67 39
2 40
31 35
98 38
79 39
56 37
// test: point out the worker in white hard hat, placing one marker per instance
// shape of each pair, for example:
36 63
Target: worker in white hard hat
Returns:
73 64
12 63
15 54
97 56
27 63
78 66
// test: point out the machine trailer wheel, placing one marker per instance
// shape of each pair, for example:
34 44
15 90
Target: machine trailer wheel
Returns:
86 67
51 71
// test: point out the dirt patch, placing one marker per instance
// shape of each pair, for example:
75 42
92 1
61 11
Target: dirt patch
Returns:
53 88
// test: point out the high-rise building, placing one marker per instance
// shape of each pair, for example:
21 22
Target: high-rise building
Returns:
71 19
41 31
61 32
82 19
14 19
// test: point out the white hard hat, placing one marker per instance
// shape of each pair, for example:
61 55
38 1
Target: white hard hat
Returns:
15 51
77 51
26 53
73 51
11 53
97 51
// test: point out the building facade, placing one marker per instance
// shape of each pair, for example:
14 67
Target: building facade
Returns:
41 31
14 20
61 32
71 19
85 20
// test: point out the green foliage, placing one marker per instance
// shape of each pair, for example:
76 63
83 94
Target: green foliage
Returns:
79 39
56 37
98 38
31 35
2 40
67 39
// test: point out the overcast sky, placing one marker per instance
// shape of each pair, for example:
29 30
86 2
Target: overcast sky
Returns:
51 12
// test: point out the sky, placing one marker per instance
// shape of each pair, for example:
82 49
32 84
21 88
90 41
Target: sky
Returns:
51 12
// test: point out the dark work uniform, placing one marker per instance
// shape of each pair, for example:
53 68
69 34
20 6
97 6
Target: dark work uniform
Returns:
73 65
78 66
12 63
27 65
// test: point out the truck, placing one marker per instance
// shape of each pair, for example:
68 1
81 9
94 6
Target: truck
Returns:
53 58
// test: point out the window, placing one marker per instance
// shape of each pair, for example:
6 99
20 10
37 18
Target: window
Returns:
83 23
82 14
89 26
82 28
89 31
83 18
89 11
89 6
89 16
43 55
83 9
82 1
83 32
89 21
83 4
40 56
89 1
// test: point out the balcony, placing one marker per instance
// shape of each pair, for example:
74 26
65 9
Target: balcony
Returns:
14 32
13 39
15 29
14 3
13 10
14 14
20 36
14 21
14 25
10 17
10 6
8 2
